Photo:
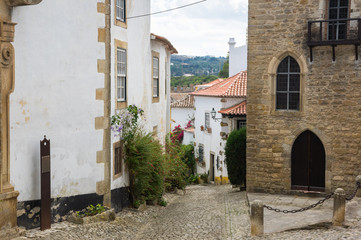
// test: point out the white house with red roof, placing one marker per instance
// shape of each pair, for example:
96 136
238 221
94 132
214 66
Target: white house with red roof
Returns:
219 109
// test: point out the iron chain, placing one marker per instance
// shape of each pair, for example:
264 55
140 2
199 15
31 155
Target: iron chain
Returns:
354 192
313 205
301 209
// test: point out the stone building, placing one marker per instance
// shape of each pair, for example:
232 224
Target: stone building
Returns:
304 112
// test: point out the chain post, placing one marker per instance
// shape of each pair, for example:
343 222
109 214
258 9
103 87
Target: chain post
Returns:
257 227
339 207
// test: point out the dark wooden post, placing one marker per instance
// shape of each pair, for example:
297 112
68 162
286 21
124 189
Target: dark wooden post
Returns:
45 212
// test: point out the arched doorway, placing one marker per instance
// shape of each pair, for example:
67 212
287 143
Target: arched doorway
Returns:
308 163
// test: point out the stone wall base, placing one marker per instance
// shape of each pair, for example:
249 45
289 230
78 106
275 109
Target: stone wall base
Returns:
8 203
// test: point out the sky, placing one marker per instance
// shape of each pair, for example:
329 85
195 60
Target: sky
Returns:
201 29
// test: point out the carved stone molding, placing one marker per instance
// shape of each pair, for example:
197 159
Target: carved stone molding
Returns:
14 3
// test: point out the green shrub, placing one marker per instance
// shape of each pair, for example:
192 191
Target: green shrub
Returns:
145 162
175 169
204 177
188 158
235 152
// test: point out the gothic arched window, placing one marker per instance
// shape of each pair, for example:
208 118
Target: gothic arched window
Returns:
288 85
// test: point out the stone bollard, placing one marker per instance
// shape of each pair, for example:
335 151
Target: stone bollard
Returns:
256 218
358 180
339 207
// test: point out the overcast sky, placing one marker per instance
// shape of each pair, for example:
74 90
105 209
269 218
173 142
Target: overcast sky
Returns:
201 29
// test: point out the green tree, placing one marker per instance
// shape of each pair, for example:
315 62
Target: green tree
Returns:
235 151
224 73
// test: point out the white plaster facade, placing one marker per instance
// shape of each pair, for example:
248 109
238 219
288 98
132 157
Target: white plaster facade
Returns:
237 58
57 79
181 116
212 141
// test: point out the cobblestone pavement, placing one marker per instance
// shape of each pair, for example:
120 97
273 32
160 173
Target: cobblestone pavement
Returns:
204 212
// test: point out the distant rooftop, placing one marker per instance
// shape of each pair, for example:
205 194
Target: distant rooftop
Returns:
235 86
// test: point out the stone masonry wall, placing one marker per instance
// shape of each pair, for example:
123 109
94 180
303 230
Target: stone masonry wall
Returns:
330 96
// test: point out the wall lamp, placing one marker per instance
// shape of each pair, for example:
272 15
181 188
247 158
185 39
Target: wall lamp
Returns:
213 114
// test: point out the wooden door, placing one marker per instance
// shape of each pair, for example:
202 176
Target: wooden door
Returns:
308 163
211 168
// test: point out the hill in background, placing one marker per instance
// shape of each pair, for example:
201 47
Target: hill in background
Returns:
182 65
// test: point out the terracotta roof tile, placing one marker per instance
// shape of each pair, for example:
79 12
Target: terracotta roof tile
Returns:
235 86
164 41
236 110
186 102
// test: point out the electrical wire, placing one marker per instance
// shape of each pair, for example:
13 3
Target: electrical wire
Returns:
168 10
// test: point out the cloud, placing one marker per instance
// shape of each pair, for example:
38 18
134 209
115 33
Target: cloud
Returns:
202 29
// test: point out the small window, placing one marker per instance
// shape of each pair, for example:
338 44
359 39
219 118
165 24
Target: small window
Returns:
121 74
200 153
207 121
288 85
118 156
155 132
241 123
120 10
155 77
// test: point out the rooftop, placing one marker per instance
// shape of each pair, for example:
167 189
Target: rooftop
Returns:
236 110
185 102
235 86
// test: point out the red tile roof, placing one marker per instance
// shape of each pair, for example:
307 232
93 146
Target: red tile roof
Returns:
186 102
236 110
209 84
235 86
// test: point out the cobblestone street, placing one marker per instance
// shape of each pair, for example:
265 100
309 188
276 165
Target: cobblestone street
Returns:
204 212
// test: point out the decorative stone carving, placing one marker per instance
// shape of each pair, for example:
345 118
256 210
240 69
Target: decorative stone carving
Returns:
14 3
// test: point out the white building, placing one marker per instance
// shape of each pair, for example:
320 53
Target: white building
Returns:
76 63
237 57
182 111
227 97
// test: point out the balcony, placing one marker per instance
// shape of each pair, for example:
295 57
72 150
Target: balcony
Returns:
334 32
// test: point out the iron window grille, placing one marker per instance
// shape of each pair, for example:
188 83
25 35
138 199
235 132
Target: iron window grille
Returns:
155 77
117 160
200 153
120 9
288 85
241 123
207 123
121 74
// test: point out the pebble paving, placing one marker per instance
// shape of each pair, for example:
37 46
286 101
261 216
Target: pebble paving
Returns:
203 212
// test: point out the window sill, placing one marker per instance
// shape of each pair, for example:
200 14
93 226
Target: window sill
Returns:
155 99
122 104
120 23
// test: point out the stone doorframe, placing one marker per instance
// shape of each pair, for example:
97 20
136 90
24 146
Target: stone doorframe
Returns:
8 197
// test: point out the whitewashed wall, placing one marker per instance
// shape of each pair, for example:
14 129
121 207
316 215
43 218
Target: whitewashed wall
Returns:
139 75
212 141
237 58
181 116
56 77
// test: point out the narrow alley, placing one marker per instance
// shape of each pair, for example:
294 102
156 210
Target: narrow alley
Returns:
203 212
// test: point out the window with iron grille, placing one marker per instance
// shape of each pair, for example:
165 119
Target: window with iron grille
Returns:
338 10
121 74
120 10
200 153
207 123
241 123
118 154
155 77
288 85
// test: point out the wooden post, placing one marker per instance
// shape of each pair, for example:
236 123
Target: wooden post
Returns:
257 218
45 209
339 207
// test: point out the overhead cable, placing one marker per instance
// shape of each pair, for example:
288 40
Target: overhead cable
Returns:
168 10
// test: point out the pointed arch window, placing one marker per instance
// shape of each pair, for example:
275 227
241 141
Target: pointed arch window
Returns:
288 85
